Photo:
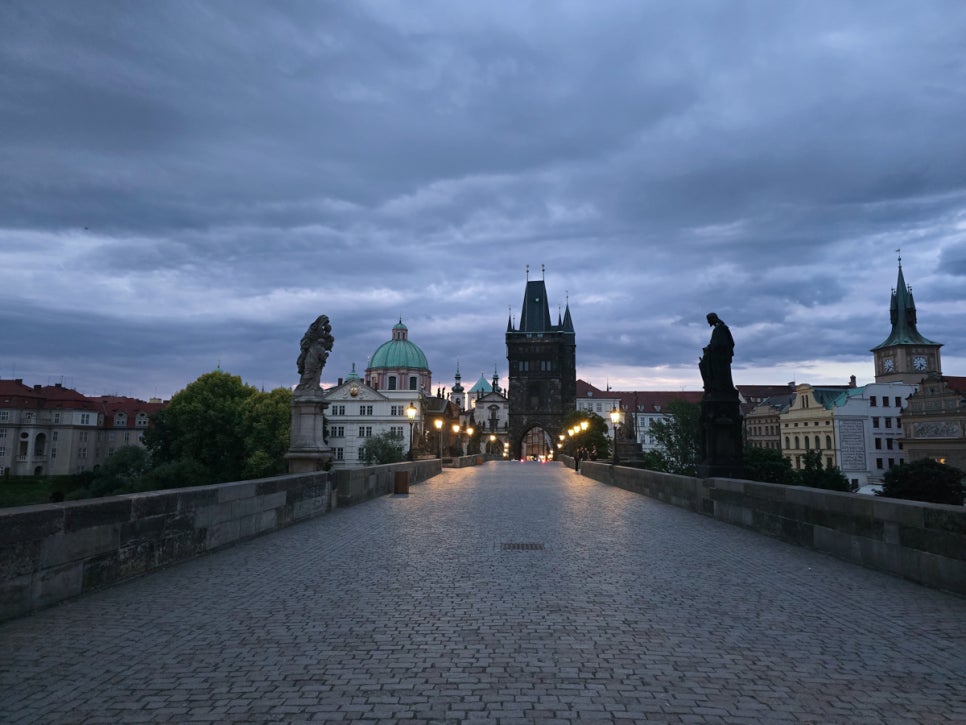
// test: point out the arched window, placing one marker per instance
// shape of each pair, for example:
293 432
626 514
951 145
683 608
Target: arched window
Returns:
787 445
40 444
818 444
828 442
797 446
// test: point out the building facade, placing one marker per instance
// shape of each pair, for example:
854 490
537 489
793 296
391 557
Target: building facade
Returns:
934 422
50 430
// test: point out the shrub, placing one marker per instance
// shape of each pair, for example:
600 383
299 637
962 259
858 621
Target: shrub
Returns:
924 480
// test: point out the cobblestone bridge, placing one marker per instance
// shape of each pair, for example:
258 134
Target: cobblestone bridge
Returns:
504 593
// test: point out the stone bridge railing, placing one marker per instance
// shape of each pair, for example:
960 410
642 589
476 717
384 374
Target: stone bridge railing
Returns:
52 552
922 542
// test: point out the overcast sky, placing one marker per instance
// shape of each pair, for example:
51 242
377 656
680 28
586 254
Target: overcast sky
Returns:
185 185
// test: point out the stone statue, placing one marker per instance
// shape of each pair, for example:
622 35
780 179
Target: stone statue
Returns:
316 345
715 364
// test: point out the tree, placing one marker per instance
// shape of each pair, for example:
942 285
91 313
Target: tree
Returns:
679 436
767 465
924 480
813 475
222 429
267 420
383 448
122 472
594 437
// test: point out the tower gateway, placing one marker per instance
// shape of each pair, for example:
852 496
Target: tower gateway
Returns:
905 356
542 384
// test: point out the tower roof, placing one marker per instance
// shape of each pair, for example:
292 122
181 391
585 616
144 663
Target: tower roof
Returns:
902 313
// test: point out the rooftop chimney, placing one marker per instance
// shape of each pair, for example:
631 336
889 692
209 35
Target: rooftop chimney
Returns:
851 381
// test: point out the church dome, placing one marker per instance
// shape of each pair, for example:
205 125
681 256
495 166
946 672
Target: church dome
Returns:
399 352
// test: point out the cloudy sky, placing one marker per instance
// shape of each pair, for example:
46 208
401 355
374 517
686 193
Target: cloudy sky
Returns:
185 185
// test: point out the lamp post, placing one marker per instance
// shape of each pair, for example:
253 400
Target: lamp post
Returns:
615 419
456 435
492 443
411 414
439 434
469 435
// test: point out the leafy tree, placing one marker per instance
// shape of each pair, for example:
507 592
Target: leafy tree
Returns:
383 448
815 476
216 428
121 472
679 436
924 480
267 420
767 465
595 436
655 461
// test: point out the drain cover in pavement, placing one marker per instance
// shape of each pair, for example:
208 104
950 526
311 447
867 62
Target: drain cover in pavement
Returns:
521 546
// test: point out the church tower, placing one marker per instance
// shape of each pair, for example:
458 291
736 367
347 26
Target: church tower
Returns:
905 356
542 385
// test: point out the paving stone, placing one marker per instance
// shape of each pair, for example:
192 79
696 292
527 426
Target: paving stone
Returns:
409 609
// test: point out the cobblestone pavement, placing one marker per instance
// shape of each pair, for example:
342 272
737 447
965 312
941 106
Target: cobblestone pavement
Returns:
606 606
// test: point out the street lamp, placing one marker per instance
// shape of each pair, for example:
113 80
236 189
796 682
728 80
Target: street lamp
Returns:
492 441
456 434
469 434
411 414
584 425
615 418
439 434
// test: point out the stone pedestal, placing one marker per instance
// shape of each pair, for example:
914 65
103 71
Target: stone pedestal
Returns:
721 436
307 450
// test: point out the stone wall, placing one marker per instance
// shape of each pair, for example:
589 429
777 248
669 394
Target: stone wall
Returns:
355 485
922 542
52 552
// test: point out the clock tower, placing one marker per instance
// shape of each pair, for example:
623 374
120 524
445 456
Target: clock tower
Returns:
905 356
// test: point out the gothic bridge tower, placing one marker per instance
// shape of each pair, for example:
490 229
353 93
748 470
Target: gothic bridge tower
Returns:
542 384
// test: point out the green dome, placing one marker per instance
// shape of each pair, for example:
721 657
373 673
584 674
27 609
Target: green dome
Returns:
399 352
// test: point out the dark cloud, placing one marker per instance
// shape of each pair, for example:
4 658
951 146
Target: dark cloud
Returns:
185 184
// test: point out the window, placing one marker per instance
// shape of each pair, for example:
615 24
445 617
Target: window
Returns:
828 442
3 451
818 444
808 443
875 422
338 431
338 410
141 421
4 414
892 462
412 382
797 443
340 454
889 443
878 444
82 437
396 431
365 410
872 402
888 422
28 417
56 417
85 419
392 382
365 431
878 463
898 402
120 420
127 436
786 442
82 452
3 433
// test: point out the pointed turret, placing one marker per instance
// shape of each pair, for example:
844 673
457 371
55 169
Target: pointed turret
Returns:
905 355
902 314
535 316
568 323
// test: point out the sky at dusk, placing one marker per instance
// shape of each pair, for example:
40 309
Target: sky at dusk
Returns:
187 185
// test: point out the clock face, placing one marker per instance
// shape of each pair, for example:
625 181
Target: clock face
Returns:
888 365
919 362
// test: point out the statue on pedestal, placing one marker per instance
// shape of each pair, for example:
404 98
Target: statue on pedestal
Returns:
721 428
307 449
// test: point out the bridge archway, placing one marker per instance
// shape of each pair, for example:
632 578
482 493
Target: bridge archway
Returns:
535 443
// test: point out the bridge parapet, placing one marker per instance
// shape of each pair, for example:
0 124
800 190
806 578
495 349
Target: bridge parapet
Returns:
922 542
52 552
